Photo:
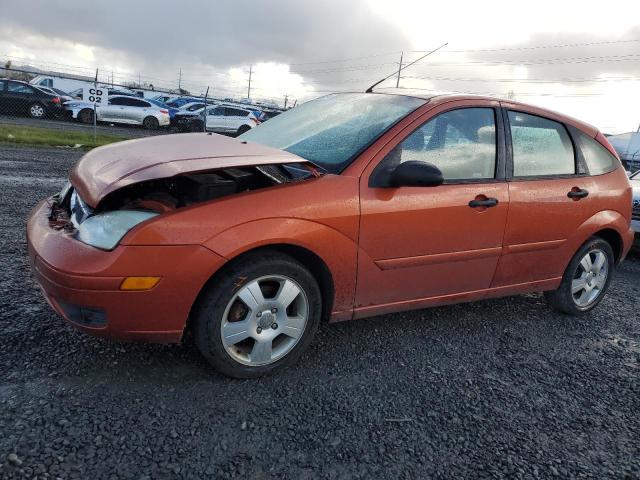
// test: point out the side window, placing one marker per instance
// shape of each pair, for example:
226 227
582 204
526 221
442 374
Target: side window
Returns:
133 102
219 111
117 101
599 160
541 147
461 143
2 85
16 87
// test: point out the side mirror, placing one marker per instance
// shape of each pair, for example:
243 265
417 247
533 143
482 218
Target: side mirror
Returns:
416 174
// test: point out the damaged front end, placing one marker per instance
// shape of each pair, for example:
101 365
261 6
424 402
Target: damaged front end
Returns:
104 225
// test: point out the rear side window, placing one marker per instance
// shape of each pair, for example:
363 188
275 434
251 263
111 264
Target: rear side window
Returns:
599 160
2 85
461 143
541 147
19 87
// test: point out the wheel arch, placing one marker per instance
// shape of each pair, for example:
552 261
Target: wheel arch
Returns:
613 238
610 226
305 256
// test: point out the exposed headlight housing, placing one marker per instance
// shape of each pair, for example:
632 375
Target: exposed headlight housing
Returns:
105 230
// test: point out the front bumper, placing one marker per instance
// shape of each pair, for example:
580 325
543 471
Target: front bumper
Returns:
76 276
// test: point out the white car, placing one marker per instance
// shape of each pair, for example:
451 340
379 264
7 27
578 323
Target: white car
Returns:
231 119
121 109
228 119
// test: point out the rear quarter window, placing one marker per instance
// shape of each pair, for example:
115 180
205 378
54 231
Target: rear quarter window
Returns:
599 160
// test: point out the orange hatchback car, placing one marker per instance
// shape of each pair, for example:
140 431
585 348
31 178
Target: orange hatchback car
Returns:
348 206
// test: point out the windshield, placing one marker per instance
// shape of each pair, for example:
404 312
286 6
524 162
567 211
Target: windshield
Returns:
331 131
157 103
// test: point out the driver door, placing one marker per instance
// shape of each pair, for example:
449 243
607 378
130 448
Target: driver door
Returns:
421 244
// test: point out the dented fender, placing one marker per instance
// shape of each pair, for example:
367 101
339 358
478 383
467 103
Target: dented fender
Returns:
336 250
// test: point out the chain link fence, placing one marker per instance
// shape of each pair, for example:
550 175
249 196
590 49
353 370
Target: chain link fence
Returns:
79 105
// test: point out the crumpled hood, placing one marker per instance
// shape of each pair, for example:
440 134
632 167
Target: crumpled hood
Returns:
109 168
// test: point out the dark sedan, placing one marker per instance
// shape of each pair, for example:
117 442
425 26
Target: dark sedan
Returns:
22 98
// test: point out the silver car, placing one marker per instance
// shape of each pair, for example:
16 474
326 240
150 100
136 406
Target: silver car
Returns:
121 109
635 215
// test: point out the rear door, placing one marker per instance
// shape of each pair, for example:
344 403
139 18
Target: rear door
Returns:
216 121
422 243
134 110
549 197
234 117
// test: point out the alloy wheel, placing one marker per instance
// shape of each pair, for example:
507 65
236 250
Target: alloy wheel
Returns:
36 111
264 320
590 278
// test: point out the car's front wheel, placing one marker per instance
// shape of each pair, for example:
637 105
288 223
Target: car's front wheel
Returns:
243 129
37 110
586 279
257 316
86 116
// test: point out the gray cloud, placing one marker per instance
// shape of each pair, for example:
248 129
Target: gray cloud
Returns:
217 34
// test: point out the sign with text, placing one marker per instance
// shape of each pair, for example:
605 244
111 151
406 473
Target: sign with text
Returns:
97 95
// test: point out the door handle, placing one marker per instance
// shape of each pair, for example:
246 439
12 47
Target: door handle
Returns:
577 193
489 202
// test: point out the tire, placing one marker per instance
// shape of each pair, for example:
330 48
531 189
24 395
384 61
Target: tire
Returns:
252 325
243 129
86 116
196 126
37 110
151 123
582 289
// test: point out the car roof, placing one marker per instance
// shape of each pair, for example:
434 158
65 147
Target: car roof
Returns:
111 97
439 98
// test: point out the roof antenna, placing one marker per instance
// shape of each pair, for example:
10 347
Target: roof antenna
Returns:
396 72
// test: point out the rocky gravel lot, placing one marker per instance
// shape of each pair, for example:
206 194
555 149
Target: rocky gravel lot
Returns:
502 388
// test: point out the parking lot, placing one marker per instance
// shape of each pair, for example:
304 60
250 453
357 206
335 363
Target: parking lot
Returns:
500 388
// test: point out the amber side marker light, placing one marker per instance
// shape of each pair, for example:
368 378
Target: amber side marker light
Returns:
139 283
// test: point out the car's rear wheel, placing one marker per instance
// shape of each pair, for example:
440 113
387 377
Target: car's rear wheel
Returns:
151 123
86 115
243 129
257 316
37 110
586 279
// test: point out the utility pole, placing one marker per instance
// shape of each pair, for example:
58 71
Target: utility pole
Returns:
399 69
204 111
180 81
249 90
285 101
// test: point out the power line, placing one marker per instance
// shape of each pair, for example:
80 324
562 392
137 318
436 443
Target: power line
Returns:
526 80
539 47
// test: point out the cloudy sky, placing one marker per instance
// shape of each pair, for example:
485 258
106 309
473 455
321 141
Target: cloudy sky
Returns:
584 61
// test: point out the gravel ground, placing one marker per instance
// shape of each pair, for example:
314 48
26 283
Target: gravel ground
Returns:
500 388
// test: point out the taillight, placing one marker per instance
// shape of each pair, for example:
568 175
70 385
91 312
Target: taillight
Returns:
164 111
55 99
255 120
